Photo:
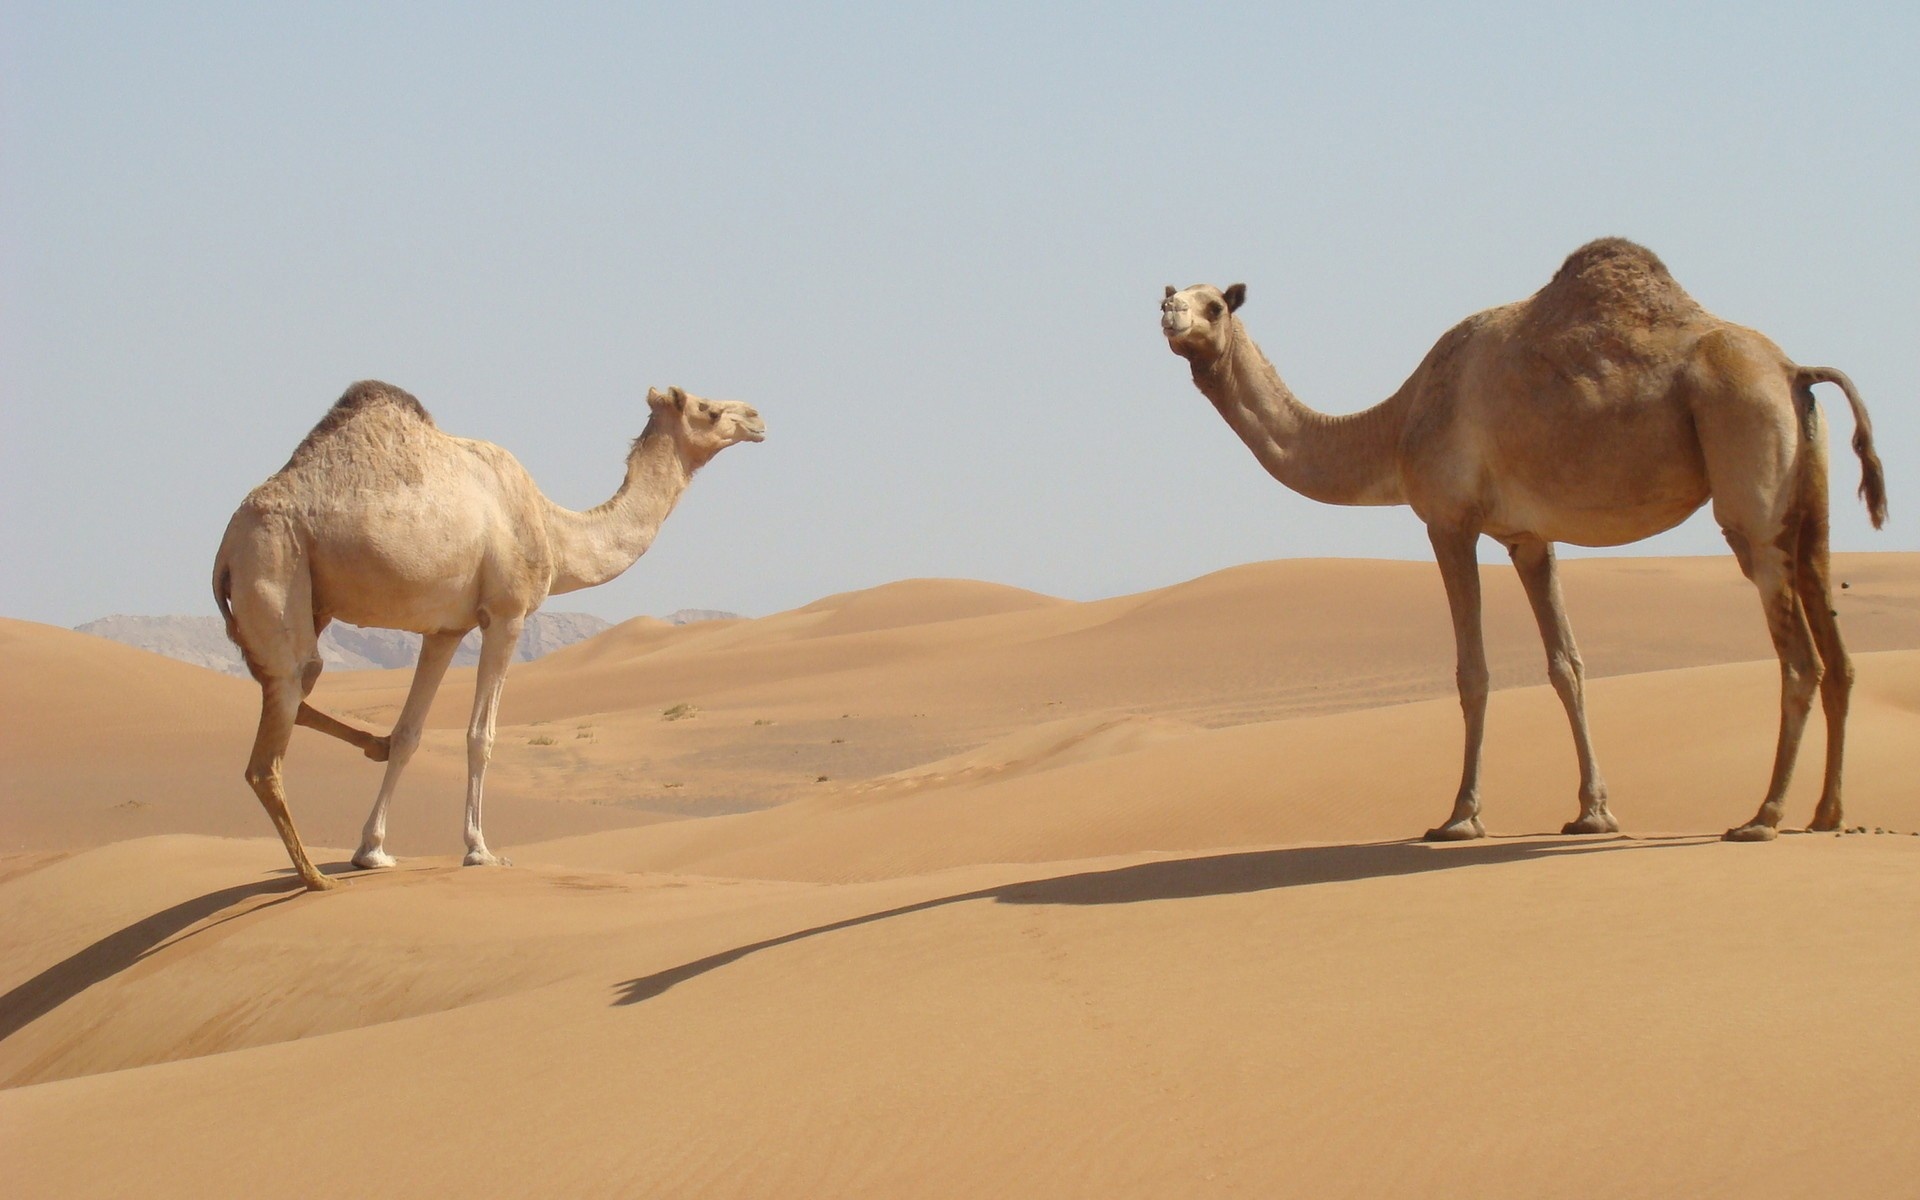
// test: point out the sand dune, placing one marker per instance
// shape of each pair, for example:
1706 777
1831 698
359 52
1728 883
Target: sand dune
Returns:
1102 899
100 741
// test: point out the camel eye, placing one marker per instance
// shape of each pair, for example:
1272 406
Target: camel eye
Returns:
1214 311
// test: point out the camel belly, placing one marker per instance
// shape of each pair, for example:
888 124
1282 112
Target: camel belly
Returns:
1520 512
1593 462
375 594
423 572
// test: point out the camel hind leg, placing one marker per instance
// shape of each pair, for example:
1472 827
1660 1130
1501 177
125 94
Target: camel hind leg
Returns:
279 702
1774 572
1764 450
267 599
286 668
372 745
1812 585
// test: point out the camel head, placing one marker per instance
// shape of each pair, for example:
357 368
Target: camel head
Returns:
702 427
1199 320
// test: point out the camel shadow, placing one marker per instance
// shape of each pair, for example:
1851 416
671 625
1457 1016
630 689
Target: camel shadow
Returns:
1188 879
122 949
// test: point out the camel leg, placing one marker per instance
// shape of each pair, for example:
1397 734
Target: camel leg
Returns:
1772 569
498 638
372 745
1540 575
269 618
436 651
279 700
1460 571
1836 681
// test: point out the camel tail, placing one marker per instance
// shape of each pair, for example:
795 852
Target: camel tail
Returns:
1873 479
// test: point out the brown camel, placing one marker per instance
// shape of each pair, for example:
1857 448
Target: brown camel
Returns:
1604 409
381 519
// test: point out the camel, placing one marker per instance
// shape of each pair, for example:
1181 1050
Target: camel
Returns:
1607 407
381 519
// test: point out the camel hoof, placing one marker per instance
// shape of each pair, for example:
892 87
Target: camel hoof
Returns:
1600 822
484 858
379 749
1750 833
1822 824
373 860
318 883
1459 831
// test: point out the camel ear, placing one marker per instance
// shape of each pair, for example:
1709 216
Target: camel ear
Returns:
1236 295
1169 295
679 398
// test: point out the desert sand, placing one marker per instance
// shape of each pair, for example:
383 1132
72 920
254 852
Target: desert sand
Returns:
947 888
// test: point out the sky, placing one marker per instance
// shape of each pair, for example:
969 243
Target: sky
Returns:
928 246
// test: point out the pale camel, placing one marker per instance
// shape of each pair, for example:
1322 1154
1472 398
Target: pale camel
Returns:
1604 409
381 519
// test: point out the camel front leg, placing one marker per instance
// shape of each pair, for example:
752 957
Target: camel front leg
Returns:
1540 575
1836 683
436 651
1460 571
498 640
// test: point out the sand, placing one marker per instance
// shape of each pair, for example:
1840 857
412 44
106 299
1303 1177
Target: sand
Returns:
946 888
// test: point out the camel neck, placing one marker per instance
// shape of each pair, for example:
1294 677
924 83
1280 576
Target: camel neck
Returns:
1350 459
594 546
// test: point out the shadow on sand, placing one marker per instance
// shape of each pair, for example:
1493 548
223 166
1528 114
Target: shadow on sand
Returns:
117 951
1190 878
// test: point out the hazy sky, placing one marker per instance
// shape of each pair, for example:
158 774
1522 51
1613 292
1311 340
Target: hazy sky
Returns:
929 247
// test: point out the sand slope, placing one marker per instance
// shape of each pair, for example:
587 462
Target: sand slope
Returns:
1107 899
1513 1018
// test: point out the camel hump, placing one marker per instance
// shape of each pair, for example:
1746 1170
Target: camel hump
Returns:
366 414
1612 254
1614 279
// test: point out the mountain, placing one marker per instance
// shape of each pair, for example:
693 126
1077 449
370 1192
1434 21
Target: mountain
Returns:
203 641
688 616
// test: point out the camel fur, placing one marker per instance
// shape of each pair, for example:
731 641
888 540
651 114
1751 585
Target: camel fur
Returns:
1607 407
381 519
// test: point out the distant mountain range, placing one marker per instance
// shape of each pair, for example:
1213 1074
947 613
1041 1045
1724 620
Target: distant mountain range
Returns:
203 640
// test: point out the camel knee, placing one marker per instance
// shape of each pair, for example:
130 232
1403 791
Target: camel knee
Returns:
401 743
264 779
1836 689
1473 685
259 778
1565 671
1798 683
479 746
